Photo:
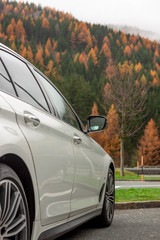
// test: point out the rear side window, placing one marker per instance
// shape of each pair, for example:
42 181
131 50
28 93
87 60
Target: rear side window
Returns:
64 111
5 82
25 84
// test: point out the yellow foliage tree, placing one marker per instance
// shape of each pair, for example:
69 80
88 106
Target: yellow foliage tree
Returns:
138 67
13 46
93 56
143 79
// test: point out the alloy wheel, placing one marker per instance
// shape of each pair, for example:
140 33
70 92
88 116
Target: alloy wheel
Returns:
110 196
13 218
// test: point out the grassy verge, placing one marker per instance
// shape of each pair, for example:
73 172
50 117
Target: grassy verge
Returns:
130 175
138 194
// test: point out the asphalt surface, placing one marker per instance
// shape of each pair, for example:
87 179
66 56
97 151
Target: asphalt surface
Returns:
137 184
140 224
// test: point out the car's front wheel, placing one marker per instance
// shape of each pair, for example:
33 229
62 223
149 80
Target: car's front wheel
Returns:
107 214
14 214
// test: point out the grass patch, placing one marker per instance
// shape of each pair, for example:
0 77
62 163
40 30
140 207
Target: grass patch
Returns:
130 175
138 194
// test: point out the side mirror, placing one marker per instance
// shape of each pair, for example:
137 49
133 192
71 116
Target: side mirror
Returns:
96 123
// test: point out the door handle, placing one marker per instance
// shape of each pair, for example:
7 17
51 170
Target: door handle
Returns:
77 139
31 119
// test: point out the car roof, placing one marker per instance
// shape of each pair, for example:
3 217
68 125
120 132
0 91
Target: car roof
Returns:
13 52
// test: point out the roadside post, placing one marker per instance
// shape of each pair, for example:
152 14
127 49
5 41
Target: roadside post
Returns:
142 165
138 166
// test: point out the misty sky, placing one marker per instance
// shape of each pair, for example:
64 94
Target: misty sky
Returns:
144 14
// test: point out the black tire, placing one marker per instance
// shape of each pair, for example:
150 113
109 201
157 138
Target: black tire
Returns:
14 214
106 217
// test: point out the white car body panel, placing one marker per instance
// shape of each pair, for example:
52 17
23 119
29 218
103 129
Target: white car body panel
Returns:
68 177
77 178
53 159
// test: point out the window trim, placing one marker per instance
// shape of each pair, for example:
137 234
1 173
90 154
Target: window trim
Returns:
15 90
52 108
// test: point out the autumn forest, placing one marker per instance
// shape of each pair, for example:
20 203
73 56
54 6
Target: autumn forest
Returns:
100 71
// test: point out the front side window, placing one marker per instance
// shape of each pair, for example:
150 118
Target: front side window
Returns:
25 84
64 110
5 82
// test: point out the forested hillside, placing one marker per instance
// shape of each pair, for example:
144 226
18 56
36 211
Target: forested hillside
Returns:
80 58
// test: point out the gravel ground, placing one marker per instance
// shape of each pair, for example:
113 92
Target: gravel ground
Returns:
139 224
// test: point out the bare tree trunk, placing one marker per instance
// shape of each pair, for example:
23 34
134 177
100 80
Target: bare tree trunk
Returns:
129 100
122 156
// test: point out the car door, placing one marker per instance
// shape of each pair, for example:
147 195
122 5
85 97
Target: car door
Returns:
88 175
89 159
48 139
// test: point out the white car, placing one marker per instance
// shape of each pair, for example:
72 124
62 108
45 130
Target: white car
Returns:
53 175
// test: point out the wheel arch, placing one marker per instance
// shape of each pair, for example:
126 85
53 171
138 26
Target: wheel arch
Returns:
20 168
111 166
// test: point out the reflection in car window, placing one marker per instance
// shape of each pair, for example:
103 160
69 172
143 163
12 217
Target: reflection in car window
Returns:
27 87
64 111
5 83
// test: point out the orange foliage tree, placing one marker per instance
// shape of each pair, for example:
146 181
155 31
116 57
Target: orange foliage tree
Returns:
112 136
54 45
155 82
51 71
24 52
73 40
156 54
150 142
20 31
84 36
58 58
49 45
106 48
39 57
127 51
45 24
124 38
30 54
47 52
111 69
83 59
10 30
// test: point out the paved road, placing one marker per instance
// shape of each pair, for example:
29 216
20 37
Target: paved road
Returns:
141 224
137 184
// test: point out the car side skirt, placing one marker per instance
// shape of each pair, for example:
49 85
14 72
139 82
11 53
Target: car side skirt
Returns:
66 227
